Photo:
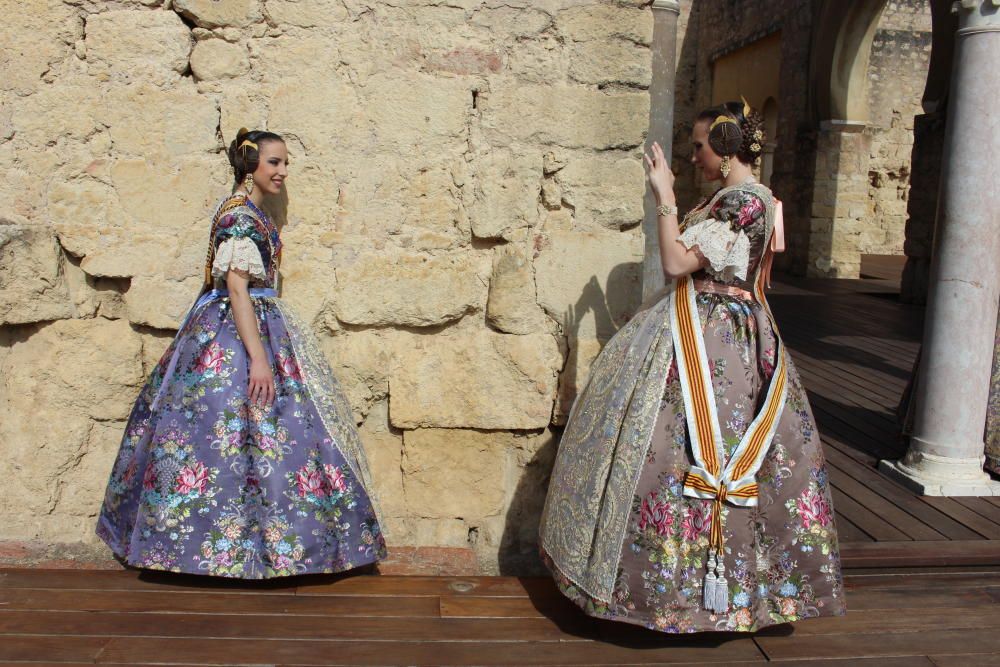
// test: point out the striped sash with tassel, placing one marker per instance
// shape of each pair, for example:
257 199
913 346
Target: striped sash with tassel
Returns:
712 477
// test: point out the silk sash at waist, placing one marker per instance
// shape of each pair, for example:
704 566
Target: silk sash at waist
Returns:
255 292
713 287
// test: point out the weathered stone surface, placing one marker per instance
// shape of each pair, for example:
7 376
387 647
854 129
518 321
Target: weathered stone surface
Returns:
566 116
614 61
36 34
600 21
454 473
384 449
506 185
409 290
512 306
33 287
415 112
214 59
159 303
307 13
220 13
142 121
362 362
590 282
514 387
604 189
129 45
42 118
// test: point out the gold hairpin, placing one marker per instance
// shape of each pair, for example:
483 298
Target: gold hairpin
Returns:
719 120
746 107
247 142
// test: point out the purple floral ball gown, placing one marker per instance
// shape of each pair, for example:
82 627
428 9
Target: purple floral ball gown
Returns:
207 483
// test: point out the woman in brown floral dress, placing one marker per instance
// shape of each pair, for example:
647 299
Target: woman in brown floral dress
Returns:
690 491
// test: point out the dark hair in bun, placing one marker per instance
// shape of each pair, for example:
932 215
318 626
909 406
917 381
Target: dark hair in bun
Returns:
245 158
744 138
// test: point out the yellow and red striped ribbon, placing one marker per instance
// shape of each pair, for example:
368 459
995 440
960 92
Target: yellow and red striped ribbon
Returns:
713 478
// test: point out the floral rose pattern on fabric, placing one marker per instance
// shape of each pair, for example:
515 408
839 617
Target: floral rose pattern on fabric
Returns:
207 483
782 560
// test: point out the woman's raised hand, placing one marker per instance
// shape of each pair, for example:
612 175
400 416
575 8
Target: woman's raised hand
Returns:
661 179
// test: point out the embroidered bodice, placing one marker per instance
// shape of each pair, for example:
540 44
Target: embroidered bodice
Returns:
731 230
244 238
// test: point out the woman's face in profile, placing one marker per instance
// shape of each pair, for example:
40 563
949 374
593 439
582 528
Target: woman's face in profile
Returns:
272 168
702 155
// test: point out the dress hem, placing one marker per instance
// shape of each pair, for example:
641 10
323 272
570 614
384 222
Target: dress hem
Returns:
582 601
119 554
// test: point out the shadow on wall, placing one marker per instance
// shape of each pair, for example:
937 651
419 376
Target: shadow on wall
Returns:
611 309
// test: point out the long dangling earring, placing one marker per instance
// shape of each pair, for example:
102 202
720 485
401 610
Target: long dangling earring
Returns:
248 183
724 167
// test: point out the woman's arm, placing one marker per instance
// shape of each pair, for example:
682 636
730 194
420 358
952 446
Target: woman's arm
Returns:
676 260
261 387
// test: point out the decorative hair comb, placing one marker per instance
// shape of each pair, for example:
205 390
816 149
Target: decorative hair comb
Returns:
719 120
246 142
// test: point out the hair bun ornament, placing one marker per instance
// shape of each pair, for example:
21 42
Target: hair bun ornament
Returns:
725 135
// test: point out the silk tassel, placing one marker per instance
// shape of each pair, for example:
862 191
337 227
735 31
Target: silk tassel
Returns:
709 584
721 599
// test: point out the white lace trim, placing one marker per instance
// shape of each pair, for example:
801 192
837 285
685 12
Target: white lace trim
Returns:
727 251
238 253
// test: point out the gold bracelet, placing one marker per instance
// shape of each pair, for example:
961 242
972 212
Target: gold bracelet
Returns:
666 209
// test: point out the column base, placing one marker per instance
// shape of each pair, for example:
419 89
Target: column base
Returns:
931 475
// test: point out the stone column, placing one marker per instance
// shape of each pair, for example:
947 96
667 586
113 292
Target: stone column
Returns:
946 451
661 127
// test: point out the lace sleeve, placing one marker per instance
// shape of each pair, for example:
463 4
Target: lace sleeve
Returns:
727 250
241 253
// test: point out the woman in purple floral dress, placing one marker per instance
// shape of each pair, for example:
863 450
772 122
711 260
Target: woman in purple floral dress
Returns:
241 457
690 492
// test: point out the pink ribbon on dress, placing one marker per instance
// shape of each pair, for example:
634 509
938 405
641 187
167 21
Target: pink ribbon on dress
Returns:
777 242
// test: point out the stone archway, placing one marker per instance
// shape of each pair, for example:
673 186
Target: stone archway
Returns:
843 35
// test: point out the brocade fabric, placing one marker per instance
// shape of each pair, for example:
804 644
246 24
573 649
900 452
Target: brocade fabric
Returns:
206 482
993 411
621 539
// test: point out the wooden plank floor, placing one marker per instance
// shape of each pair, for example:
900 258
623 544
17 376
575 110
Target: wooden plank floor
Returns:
854 344
105 617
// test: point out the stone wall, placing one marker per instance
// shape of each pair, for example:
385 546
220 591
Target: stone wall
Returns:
461 229
897 73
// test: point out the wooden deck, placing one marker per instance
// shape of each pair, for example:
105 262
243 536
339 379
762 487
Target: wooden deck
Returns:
74 617
923 574
854 345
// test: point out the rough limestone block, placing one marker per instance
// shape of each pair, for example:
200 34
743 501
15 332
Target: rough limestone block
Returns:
512 305
595 21
36 34
590 282
127 45
220 13
409 290
454 473
475 380
568 116
33 287
214 59
142 120
506 185
159 303
604 189
613 61
384 449
362 362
